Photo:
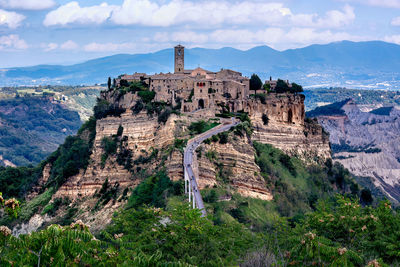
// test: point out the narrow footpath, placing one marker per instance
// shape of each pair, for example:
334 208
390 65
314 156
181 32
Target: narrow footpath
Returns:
191 187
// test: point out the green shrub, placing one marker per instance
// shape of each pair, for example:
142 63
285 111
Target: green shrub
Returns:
120 130
106 193
152 191
201 126
163 117
147 96
215 138
265 119
223 137
52 208
109 146
15 182
137 107
35 205
261 97
211 155
101 108
180 143
69 158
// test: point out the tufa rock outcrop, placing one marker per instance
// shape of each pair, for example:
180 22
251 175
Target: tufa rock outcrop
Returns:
150 144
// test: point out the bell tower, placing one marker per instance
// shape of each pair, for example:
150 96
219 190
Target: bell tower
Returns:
179 59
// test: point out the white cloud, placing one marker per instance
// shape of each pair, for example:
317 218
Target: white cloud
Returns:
49 47
274 37
377 3
396 21
385 3
72 12
12 41
332 19
27 4
108 47
392 39
205 14
11 19
208 13
69 45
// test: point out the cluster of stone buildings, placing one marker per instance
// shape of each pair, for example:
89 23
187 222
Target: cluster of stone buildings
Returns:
198 88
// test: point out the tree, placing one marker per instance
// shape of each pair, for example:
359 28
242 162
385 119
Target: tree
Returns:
255 83
267 87
123 83
109 83
366 196
114 83
296 88
281 86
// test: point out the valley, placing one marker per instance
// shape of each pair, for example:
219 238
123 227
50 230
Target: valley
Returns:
367 143
269 180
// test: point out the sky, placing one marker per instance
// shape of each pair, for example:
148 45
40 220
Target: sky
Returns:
64 32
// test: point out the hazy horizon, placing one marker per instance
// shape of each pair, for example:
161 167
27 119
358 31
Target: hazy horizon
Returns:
64 32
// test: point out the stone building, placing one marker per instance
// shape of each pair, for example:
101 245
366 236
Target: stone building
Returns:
198 88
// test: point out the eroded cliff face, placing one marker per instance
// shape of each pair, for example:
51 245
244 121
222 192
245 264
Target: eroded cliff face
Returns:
368 144
233 162
281 123
144 137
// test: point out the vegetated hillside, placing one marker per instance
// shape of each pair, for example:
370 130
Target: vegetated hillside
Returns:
335 63
305 224
365 142
78 98
33 127
367 100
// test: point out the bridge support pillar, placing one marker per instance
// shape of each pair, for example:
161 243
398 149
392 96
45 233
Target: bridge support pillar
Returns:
190 191
186 181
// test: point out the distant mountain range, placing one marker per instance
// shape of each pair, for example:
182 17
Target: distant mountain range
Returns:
372 64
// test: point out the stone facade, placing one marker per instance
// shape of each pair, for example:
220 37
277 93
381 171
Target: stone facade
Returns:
198 88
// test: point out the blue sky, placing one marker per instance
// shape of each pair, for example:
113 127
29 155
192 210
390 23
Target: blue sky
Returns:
63 32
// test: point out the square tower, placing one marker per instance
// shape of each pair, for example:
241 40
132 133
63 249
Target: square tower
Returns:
179 59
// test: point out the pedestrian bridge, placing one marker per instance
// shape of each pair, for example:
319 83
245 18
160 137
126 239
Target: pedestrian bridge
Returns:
191 186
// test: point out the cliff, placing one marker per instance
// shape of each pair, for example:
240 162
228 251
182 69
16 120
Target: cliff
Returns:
367 144
143 144
281 123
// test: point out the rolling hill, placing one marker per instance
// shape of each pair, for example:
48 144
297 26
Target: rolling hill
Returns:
374 64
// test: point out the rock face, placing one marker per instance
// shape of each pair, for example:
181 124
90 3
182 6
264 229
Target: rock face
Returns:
280 122
233 162
140 135
150 143
40 183
368 144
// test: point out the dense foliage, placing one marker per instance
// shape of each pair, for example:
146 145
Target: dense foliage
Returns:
296 187
156 228
154 191
68 159
25 119
201 126
15 182
283 87
319 216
